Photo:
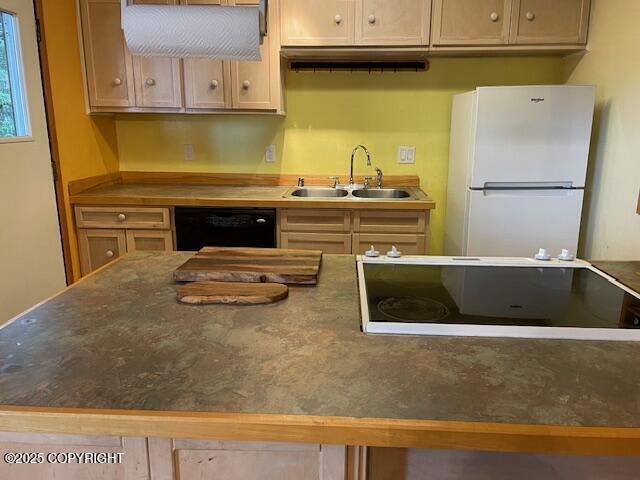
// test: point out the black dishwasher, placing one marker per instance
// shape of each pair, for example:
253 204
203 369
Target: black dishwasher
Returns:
225 227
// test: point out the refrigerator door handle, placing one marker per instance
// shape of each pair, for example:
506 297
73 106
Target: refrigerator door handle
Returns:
526 185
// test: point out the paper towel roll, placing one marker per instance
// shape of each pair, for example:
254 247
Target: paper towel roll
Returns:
200 31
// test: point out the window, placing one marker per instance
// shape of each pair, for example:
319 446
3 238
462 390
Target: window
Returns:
13 112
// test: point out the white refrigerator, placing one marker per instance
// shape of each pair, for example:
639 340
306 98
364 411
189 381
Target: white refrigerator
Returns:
517 169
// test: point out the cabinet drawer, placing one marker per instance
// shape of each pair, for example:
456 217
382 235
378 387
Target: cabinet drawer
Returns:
405 243
303 220
123 217
327 242
390 221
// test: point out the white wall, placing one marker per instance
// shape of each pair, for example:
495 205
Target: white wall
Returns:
611 226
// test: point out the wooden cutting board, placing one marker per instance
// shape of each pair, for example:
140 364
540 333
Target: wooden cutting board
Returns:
254 265
204 293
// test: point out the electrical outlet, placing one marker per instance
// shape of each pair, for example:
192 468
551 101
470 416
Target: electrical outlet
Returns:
270 153
189 152
406 154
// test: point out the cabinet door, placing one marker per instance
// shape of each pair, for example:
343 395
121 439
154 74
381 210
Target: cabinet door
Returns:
149 240
133 451
157 79
327 242
256 85
231 460
471 22
317 22
206 82
107 59
401 22
405 243
550 21
99 247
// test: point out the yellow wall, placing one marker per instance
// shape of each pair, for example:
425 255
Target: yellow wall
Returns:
611 226
327 114
87 144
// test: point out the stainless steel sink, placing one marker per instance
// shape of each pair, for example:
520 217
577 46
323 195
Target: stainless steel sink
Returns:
381 193
320 193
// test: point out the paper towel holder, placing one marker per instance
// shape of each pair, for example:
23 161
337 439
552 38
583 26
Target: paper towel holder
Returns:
263 16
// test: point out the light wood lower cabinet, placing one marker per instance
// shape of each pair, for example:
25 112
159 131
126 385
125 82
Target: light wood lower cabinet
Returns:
149 240
193 459
132 451
174 459
140 228
354 231
99 247
327 242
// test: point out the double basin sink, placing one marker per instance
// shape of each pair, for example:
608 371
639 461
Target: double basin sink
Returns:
352 193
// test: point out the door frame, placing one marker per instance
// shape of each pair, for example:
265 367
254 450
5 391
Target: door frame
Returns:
53 141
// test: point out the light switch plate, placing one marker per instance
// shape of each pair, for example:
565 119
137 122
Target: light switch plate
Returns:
189 152
270 153
406 154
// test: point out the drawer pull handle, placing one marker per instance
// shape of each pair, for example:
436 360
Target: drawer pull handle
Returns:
214 84
372 19
109 253
338 19
261 220
122 217
117 81
150 82
531 16
494 16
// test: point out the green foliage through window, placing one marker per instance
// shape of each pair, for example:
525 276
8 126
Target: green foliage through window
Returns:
13 119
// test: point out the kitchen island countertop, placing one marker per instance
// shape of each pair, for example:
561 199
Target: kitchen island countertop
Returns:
116 354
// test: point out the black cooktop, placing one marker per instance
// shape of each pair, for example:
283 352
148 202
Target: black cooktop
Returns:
484 295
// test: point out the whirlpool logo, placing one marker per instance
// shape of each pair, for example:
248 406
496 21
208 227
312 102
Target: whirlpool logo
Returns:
537 100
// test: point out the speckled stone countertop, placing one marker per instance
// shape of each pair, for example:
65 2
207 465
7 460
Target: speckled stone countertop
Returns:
627 273
119 340
235 196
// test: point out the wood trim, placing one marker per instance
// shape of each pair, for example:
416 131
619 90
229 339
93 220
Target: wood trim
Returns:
78 186
375 432
53 143
192 178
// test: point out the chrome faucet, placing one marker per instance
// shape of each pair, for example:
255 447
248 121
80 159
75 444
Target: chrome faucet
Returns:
378 178
353 154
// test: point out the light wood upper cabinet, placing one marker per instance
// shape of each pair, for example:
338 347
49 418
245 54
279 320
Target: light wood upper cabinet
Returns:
550 21
401 22
157 79
207 83
317 22
107 59
471 22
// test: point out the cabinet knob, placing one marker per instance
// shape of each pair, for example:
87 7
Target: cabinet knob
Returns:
109 253
494 16
150 82
214 84
122 217
372 19
530 16
338 19
117 81
246 84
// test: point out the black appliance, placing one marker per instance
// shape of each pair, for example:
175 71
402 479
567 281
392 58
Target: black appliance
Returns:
224 227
